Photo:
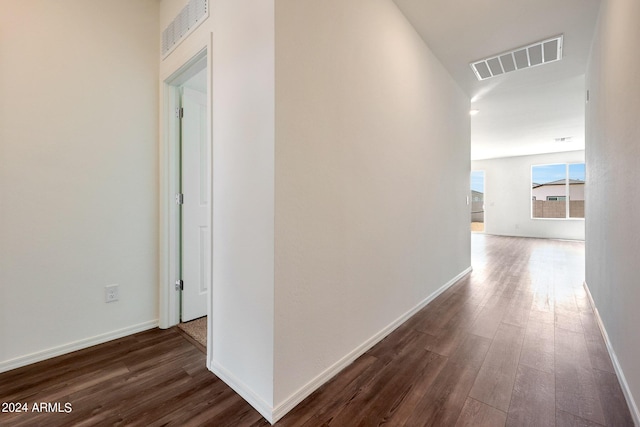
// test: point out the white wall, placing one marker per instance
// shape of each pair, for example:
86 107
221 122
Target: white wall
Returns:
78 173
368 122
613 205
243 188
242 34
508 198
372 174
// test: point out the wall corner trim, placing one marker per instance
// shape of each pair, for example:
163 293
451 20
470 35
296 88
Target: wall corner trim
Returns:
243 390
289 403
28 359
635 414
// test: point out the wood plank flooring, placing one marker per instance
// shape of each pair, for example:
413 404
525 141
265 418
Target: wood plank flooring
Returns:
514 343
155 377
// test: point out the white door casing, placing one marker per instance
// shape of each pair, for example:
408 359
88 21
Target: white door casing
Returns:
196 208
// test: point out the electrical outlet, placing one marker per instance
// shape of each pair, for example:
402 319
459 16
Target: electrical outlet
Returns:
111 293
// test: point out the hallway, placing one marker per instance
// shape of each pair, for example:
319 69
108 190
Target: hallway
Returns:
513 343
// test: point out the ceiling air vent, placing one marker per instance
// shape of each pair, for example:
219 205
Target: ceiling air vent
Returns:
538 53
192 15
564 139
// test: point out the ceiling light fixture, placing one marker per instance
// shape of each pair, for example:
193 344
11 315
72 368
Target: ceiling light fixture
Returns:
538 53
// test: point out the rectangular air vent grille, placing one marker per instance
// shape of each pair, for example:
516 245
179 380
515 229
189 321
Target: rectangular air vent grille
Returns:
192 15
538 53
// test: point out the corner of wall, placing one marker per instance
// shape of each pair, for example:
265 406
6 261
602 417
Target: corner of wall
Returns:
245 391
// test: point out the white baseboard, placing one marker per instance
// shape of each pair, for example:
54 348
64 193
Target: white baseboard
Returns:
28 359
633 408
297 397
243 390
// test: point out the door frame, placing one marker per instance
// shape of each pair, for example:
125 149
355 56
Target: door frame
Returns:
169 181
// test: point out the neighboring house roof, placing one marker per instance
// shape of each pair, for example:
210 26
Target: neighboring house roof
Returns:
474 192
558 182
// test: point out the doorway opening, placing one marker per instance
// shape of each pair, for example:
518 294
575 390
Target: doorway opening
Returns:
186 182
477 201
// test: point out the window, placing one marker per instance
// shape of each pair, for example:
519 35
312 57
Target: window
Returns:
477 201
557 191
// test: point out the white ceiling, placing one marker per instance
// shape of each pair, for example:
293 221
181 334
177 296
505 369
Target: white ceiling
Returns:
524 111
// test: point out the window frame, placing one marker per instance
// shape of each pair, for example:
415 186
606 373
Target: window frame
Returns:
567 190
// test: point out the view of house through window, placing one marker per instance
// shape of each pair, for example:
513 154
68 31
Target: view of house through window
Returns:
557 191
477 201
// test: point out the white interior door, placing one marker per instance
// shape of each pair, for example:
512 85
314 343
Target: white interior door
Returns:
196 208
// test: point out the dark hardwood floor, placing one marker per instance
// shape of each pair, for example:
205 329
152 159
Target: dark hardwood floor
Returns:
514 343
